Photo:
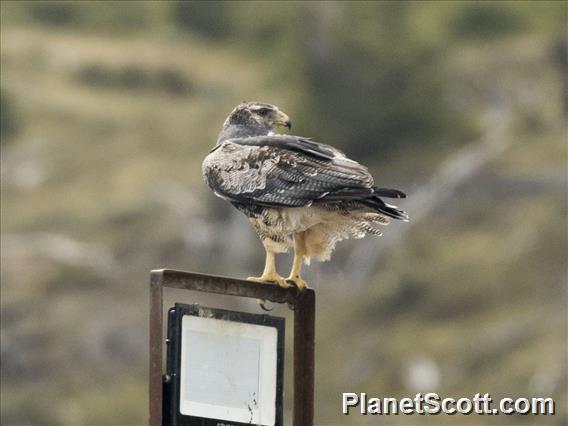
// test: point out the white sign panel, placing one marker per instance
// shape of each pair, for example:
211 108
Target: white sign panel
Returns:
228 370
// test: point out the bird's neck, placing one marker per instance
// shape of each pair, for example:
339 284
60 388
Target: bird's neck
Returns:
231 131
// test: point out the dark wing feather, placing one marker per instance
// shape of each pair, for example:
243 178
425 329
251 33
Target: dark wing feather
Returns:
299 180
284 170
389 193
293 143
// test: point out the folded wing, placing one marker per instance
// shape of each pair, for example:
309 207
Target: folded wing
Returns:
282 170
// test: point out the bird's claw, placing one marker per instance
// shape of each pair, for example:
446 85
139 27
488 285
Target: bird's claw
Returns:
262 304
274 278
298 282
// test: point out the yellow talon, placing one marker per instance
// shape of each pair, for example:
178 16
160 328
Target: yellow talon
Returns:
269 274
298 281
273 278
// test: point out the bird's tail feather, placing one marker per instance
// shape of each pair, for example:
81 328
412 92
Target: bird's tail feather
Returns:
375 202
389 193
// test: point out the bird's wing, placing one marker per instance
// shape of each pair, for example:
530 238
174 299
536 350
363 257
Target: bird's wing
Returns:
293 143
282 170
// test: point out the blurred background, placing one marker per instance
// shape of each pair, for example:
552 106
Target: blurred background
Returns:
108 108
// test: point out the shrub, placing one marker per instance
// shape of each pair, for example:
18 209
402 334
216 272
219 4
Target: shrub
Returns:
136 77
209 18
54 13
485 20
8 117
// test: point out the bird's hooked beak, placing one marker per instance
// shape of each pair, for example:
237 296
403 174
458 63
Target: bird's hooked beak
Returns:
282 119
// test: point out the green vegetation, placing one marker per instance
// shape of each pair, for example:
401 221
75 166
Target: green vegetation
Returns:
107 110
8 121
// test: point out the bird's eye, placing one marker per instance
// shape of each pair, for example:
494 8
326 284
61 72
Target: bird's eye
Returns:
263 111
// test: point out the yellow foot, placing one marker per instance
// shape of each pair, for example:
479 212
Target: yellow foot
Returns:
273 278
298 281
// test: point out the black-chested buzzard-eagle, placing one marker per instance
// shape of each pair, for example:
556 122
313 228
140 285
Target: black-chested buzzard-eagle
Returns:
294 190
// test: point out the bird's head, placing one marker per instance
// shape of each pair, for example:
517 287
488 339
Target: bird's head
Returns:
258 113
253 119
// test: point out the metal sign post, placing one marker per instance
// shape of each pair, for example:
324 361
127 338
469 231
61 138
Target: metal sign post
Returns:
303 304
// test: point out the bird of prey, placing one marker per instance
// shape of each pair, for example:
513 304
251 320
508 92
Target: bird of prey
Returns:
295 191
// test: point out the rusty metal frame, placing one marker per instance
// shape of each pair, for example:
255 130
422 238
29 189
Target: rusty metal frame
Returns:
303 304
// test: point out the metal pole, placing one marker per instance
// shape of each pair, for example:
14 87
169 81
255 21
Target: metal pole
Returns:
155 367
304 366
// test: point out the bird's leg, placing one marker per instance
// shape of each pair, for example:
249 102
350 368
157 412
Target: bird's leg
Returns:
269 273
299 253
